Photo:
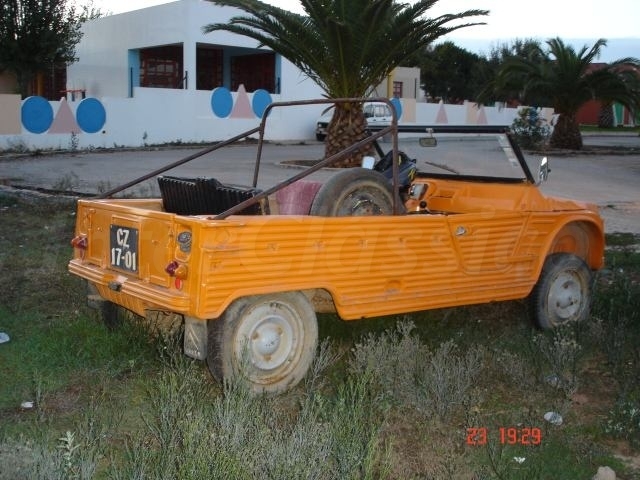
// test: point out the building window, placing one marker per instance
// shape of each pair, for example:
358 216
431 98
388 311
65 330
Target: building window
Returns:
50 84
397 89
255 72
161 67
209 67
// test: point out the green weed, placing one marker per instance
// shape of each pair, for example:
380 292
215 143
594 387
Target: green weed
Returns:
67 183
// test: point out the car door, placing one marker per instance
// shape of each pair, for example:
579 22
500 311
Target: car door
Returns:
487 242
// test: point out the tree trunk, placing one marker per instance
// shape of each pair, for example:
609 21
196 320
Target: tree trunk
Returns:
605 115
566 133
347 127
40 84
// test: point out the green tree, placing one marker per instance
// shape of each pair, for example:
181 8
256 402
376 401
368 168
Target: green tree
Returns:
348 47
564 79
526 49
38 35
452 73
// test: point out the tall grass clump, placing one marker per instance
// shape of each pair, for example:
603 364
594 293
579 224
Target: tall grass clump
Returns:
617 307
196 429
73 455
406 372
559 352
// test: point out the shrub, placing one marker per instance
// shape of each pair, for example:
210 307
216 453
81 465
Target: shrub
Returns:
530 130
624 421
406 373
197 432
560 352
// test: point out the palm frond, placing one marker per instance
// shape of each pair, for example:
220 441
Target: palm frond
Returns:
346 46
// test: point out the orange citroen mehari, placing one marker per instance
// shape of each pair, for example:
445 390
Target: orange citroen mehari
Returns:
467 225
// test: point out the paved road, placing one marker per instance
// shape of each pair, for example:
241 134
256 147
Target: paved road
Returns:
92 172
611 181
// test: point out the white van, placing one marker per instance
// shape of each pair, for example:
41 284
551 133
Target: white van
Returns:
376 113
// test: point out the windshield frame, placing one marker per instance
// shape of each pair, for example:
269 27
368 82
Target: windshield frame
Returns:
511 148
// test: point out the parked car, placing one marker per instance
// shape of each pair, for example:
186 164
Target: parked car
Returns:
376 113
465 224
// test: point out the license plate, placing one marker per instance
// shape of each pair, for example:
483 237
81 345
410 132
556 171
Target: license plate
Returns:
123 242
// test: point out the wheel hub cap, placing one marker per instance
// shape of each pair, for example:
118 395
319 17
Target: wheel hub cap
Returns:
271 342
566 296
267 340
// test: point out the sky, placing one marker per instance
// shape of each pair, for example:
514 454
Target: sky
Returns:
577 22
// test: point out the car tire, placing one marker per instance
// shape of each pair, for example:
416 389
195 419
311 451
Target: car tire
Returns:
320 137
354 192
563 292
110 314
267 341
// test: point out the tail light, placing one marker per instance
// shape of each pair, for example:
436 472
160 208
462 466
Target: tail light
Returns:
80 242
178 271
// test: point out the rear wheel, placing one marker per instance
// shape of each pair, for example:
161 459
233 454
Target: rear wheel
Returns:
563 292
354 192
268 341
109 313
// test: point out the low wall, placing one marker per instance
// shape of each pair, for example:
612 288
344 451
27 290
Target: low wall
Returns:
158 116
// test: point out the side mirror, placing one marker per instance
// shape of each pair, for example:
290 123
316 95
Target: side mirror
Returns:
543 171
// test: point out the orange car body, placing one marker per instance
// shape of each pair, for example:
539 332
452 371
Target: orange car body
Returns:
481 242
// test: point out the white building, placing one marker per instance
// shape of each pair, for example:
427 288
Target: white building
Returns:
164 46
152 76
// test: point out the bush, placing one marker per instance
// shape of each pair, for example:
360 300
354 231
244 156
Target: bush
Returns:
405 373
195 431
559 354
531 131
624 421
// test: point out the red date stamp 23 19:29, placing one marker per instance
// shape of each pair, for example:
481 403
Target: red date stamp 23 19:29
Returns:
478 436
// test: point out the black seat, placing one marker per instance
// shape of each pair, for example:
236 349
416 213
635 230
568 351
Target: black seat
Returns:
204 196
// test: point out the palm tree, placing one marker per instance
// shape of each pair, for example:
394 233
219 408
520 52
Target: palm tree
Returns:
565 80
347 47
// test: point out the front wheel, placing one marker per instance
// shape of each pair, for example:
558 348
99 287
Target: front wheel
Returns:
268 341
563 291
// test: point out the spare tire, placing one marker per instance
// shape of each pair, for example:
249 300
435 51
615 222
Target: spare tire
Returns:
354 192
